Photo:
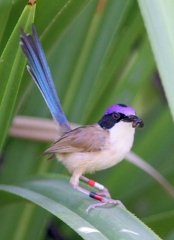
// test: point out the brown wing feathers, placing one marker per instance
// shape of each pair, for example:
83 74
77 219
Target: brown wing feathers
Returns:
83 139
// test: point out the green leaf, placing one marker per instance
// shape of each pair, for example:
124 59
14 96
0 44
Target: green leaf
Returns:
63 14
55 194
159 20
12 65
5 8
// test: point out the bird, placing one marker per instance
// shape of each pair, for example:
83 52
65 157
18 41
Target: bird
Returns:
88 148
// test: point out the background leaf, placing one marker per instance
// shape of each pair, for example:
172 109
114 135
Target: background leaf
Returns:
159 22
11 70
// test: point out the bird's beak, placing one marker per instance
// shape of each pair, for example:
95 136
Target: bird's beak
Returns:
136 121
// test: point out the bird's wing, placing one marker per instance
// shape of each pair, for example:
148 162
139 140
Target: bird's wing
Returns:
89 138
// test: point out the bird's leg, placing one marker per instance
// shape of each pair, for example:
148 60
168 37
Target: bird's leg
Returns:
103 201
103 190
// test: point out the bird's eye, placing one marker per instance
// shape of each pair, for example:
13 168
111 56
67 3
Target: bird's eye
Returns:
116 115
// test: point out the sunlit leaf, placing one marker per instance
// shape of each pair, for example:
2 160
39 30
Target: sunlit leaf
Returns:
159 21
57 196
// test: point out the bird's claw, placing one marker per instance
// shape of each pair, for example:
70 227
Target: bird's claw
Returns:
104 193
104 202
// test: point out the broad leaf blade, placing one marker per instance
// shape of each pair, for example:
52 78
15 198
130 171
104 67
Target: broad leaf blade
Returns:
159 20
55 194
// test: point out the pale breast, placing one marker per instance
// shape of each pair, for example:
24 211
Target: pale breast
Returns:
121 138
118 145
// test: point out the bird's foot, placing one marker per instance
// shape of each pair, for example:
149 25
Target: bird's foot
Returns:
104 193
104 202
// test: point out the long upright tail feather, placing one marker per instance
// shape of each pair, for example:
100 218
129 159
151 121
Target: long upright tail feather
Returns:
41 75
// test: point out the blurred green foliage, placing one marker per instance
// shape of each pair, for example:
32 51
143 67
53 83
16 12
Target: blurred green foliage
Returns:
99 54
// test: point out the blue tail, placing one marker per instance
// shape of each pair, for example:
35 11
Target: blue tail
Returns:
41 74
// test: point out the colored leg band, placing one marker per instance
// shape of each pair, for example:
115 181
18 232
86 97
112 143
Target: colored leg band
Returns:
95 196
97 185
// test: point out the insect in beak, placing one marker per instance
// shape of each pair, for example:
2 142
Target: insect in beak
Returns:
136 121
